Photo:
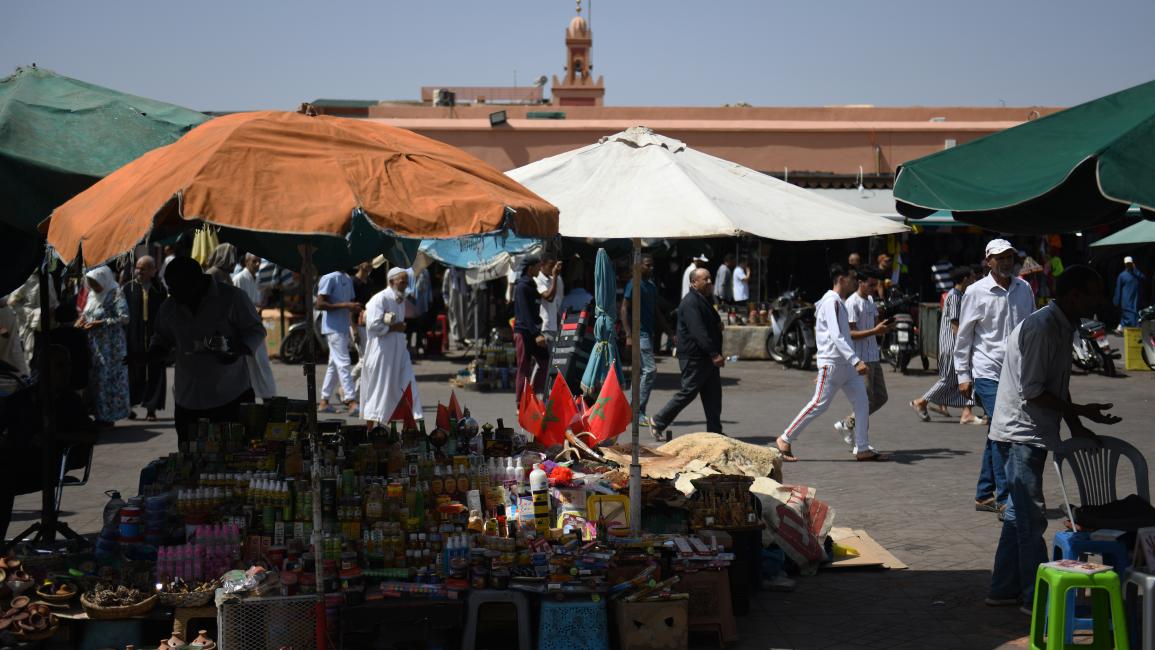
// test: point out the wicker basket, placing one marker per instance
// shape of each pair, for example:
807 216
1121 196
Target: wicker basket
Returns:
96 612
194 599
55 599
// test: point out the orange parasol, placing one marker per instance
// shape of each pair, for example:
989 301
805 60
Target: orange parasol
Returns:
289 174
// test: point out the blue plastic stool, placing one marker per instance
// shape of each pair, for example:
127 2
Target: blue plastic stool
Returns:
573 625
1077 546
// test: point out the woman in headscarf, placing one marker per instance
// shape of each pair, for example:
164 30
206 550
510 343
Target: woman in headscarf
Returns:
221 263
104 316
387 372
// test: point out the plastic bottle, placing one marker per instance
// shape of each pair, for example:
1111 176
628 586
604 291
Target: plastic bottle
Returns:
112 508
539 489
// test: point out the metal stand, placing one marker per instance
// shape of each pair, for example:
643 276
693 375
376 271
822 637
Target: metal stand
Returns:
45 531
308 277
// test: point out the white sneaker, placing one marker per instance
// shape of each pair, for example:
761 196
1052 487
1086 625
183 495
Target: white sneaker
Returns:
847 432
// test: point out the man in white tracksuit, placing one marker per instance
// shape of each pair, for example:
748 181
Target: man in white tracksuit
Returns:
838 368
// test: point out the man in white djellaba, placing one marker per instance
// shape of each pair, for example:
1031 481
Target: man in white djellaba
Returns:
387 369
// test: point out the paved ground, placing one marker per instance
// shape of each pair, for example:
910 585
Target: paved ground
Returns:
919 507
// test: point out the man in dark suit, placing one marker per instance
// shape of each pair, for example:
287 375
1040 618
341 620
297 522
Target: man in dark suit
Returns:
699 356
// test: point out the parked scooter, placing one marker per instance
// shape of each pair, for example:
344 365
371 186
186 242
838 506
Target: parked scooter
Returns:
903 343
1147 332
791 341
294 345
1091 350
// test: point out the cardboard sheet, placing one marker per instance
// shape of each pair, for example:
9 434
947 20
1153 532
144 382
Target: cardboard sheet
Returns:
871 553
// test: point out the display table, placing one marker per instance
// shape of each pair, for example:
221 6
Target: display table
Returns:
745 341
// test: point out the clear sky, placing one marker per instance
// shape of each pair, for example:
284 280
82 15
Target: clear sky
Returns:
256 54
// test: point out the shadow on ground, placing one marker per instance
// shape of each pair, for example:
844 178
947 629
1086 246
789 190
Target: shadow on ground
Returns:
883 609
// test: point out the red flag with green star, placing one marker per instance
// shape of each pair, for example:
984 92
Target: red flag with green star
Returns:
558 413
610 414
530 411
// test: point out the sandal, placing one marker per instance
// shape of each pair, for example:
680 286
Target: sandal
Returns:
982 422
871 456
940 409
787 453
921 413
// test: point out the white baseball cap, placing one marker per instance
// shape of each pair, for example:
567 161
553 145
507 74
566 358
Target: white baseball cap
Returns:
1128 260
996 246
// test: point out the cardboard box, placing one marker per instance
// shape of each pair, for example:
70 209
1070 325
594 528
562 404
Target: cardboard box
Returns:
661 625
1133 349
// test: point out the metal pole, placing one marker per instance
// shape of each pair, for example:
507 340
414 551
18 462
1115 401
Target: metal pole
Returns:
308 277
635 392
48 515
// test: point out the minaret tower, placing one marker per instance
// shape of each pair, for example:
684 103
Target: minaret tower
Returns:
578 87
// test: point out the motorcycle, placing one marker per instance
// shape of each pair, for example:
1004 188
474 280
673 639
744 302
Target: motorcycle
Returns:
902 343
791 341
1091 350
1147 332
293 346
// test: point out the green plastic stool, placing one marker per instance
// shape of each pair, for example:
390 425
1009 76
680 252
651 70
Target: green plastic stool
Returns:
1049 611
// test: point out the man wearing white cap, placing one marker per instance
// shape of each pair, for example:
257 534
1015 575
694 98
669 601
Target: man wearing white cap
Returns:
991 308
1128 288
698 262
387 369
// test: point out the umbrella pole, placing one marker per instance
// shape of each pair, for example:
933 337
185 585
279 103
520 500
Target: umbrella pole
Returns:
635 390
308 277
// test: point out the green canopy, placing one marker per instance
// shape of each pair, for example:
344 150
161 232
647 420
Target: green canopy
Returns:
1076 168
58 136
1134 235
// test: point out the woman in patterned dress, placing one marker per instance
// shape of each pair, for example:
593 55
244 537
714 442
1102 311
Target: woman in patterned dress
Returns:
104 317
944 392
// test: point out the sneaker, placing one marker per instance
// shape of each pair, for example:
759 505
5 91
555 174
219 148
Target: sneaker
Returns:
994 601
847 432
988 505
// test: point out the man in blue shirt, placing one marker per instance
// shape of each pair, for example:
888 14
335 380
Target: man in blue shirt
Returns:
1128 287
528 340
650 316
336 300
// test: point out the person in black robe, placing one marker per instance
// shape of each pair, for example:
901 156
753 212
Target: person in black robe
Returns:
147 382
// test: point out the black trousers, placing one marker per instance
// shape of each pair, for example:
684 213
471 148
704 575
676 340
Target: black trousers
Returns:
700 378
185 419
148 384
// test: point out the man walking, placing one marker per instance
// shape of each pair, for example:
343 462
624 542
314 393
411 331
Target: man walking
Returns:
650 315
552 291
1128 287
147 380
862 314
260 371
528 341
991 309
1034 393
387 371
723 287
839 367
336 302
699 357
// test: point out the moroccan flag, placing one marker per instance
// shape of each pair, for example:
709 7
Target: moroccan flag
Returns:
404 410
530 411
442 417
610 415
454 407
559 412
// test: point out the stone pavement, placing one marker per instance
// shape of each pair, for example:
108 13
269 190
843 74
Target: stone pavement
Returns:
919 506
